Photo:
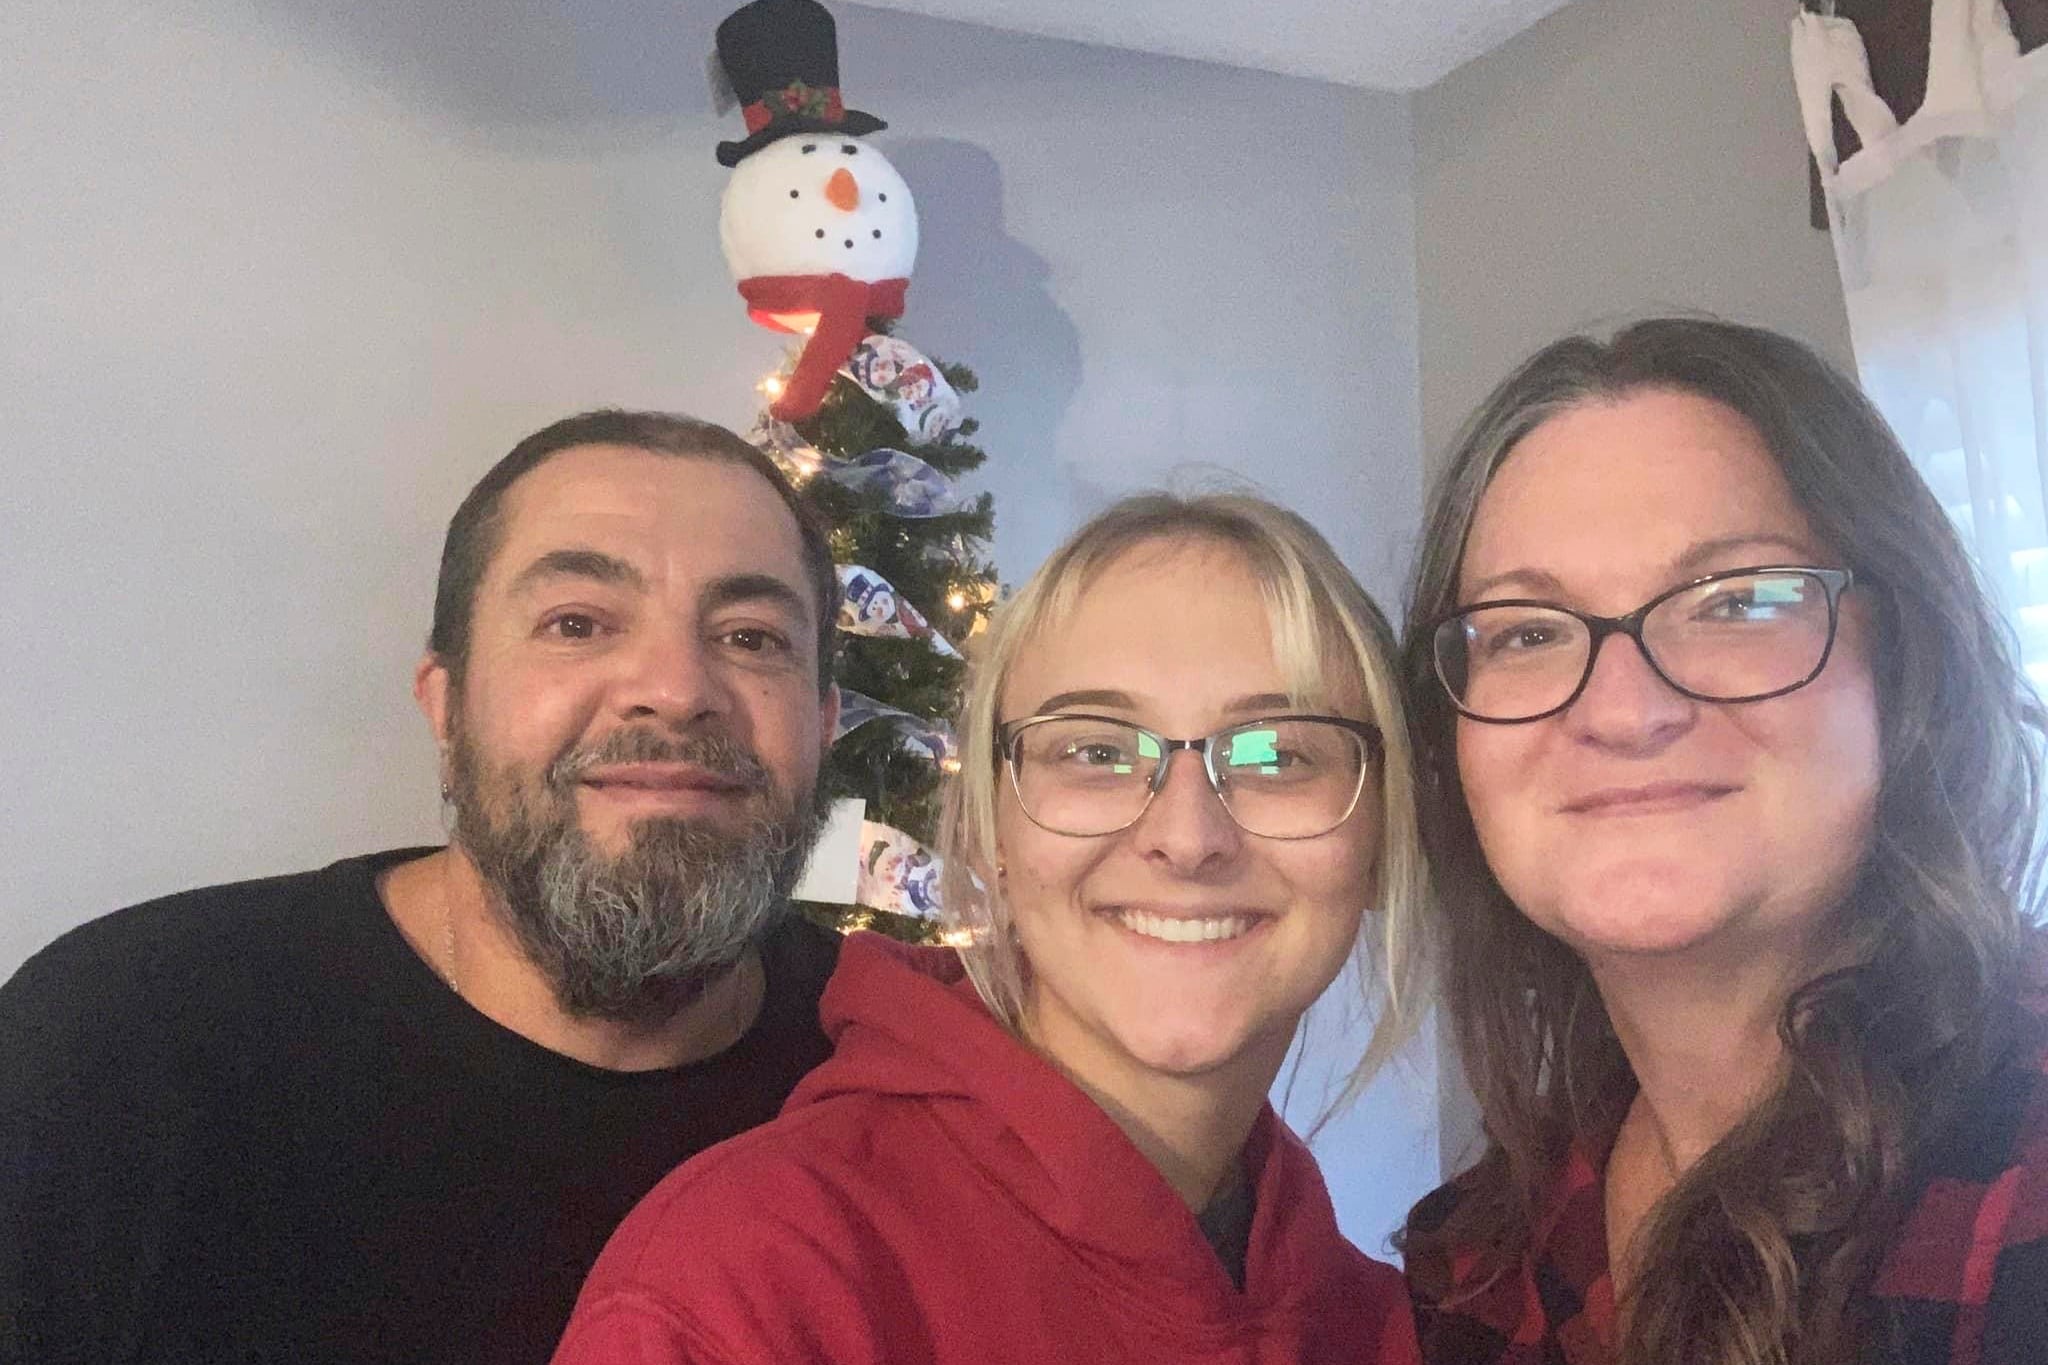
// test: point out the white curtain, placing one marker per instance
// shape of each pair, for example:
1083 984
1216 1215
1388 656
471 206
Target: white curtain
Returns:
1940 228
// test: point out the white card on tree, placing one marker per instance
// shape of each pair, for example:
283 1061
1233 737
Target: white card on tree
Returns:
833 874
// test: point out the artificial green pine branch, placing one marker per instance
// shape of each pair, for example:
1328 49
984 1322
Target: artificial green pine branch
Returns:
931 562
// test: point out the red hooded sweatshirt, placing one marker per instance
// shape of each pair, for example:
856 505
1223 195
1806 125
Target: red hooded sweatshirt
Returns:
936 1192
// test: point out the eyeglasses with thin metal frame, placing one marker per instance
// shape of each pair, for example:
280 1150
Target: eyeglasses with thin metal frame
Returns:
1010 747
1449 634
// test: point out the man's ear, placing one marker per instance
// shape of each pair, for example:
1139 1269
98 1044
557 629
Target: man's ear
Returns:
430 688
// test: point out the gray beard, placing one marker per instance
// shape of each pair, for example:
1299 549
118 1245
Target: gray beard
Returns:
630 938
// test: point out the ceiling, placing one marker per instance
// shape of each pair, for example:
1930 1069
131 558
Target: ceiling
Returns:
1383 44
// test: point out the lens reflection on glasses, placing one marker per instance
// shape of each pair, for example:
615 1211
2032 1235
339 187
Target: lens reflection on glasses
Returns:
1289 777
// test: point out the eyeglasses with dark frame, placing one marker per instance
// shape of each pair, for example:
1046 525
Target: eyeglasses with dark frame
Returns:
1280 777
1739 635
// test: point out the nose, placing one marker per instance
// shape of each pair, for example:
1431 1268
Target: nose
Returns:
667 675
842 191
1186 826
1626 706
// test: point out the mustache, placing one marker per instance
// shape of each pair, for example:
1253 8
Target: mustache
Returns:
715 753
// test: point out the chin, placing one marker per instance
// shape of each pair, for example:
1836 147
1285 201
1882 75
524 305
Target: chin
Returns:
1636 940
1641 910
1192 1047
614 833
610 839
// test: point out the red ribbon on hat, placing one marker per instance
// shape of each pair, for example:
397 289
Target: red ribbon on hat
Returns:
843 307
821 102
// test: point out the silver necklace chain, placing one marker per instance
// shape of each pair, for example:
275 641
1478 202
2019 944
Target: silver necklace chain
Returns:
448 942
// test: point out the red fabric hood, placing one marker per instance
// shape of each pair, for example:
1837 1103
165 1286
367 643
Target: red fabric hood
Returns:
906 1021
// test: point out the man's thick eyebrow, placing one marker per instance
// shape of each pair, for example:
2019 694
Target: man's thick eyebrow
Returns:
577 563
754 587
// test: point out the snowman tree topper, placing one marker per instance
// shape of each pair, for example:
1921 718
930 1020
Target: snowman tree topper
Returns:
819 230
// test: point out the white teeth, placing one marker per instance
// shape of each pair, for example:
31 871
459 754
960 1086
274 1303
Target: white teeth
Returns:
1185 930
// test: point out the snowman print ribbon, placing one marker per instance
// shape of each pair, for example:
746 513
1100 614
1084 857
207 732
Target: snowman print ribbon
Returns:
898 374
869 605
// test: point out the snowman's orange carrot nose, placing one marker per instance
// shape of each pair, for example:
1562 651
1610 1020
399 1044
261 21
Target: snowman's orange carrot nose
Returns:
842 192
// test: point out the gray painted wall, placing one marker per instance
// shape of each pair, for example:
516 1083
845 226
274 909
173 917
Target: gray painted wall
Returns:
284 276
1622 156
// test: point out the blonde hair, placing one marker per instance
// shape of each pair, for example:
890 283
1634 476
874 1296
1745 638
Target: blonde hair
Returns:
1320 618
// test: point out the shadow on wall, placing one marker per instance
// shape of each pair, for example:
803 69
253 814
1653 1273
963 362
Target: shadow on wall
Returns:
983 298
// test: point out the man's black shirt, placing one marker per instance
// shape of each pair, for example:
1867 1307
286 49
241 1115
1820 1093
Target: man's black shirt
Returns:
248 1123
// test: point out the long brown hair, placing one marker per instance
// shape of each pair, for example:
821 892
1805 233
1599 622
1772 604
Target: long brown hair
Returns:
1762 1250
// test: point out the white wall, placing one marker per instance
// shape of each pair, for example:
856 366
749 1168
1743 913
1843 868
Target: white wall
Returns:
1620 157
1157 263
284 276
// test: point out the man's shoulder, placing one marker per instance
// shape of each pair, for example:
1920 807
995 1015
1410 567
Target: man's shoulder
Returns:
191 943
799 958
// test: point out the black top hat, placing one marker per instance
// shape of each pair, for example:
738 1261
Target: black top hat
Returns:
782 58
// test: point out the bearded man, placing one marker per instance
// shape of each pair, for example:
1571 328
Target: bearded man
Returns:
390 1111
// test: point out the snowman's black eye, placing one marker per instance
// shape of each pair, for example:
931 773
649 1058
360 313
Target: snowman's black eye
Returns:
848 149
810 147
821 232
792 194
878 234
883 197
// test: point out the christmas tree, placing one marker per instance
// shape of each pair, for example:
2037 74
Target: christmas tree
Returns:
897 520
820 233
938 563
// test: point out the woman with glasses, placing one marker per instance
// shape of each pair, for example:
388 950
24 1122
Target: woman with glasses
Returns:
1732 792
1185 802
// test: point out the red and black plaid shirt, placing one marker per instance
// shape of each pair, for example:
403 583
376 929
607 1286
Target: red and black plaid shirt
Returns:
1965 1283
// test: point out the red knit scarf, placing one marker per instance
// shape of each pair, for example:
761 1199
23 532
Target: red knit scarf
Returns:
843 307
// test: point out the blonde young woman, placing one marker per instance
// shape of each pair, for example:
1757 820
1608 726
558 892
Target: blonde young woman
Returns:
1186 802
